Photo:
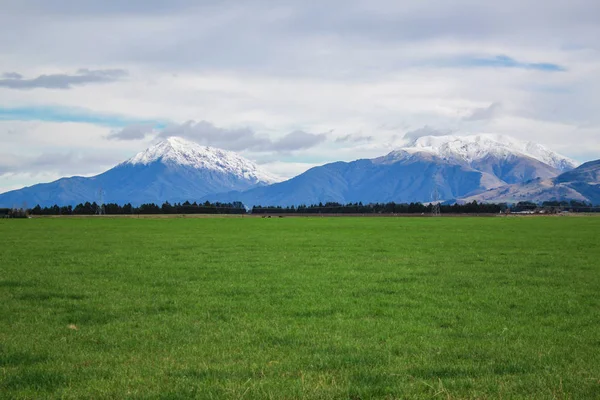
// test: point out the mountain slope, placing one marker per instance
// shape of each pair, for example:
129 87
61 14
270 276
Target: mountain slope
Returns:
366 181
172 170
452 166
582 183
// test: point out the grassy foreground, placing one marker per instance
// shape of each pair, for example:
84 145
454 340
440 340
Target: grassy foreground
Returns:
349 308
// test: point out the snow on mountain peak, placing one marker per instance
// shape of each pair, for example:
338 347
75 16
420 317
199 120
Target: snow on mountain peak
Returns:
477 147
176 151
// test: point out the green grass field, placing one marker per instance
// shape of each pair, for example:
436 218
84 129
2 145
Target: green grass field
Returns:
315 308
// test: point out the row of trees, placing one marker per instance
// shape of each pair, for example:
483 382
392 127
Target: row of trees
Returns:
572 205
148 208
13 213
327 208
382 208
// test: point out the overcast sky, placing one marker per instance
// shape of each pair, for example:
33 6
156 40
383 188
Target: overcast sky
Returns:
289 84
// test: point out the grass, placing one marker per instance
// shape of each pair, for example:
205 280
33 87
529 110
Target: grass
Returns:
315 308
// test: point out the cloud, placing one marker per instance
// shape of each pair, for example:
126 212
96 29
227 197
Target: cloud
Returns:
84 76
354 139
238 139
297 140
206 133
288 169
12 75
485 113
132 132
425 131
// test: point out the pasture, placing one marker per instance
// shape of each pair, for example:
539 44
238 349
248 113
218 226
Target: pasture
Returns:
313 308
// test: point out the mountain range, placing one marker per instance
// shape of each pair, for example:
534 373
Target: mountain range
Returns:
428 169
481 167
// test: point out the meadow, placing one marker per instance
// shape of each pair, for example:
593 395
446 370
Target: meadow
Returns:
313 308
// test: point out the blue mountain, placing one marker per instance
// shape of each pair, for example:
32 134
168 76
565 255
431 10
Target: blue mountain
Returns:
173 170
446 167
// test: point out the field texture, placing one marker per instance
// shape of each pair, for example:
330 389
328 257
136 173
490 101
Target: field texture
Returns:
349 308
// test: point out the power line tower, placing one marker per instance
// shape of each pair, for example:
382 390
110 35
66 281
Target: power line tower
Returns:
100 207
435 202
435 194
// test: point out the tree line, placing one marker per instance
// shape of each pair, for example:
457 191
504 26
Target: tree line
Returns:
382 208
571 205
419 208
321 208
147 208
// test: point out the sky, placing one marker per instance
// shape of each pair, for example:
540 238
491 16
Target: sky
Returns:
84 85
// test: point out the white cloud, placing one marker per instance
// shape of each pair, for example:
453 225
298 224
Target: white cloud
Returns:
484 113
425 131
288 170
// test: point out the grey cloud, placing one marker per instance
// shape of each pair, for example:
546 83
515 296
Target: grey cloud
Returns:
131 132
238 139
50 160
298 140
354 139
206 133
380 19
12 75
485 113
84 76
360 39
84 7
425 131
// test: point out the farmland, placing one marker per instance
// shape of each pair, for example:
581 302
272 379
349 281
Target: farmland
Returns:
315 308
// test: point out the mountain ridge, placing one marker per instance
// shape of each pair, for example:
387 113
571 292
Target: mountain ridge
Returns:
581 183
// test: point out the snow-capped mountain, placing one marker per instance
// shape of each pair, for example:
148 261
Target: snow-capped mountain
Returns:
452 166
178 152
506 158
474 148
174 170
